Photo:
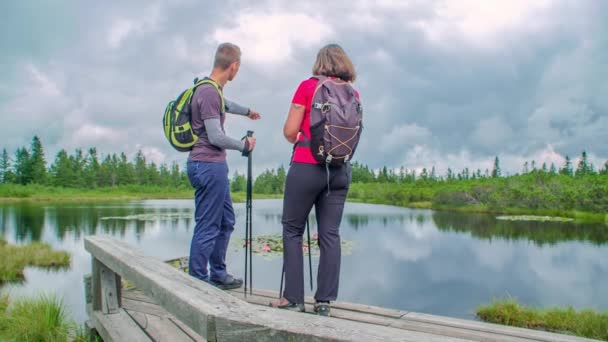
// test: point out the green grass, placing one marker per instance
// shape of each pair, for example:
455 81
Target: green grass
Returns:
582 198
16 258
33 192
37 319
585 323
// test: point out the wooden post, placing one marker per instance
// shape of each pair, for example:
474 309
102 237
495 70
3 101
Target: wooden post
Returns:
106 288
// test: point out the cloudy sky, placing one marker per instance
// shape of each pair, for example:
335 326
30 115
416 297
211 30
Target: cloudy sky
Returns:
444 83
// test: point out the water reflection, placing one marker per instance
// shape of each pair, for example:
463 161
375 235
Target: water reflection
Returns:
487 227
435 262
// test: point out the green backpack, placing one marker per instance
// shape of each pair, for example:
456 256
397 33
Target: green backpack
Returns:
178 116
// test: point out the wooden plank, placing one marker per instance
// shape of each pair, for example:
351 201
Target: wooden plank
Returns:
95 284
501 330
335 312
393 322
216 315
193 335
442 330
118 327
109 291
137 306
137 296
159 328
143 307
367 309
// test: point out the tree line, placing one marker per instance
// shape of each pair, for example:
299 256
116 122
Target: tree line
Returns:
88 170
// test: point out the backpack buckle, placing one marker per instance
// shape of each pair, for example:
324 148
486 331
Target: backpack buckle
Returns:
325 107
328 159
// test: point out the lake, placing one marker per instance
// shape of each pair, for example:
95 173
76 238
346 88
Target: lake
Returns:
435 262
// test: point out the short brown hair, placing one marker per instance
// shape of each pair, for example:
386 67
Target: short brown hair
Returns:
226 54
333 61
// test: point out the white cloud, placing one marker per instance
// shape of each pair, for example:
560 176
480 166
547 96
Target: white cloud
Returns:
269 38
148 20
493 132
91 134
406 135
153 154
45 85
481 21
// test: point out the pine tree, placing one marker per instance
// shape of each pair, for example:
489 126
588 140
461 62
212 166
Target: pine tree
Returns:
450 174
281 176
165 175
496 170
238 183
553 169
91 169
62 172
175 175
23 166
424 174
126 172
544 169
37 162
77 162
604 171
140 168
433 174
584 167
567 169
6 175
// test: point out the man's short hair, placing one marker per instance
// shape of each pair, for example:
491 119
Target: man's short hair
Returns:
226 54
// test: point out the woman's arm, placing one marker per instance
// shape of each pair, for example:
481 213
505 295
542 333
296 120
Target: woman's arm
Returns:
293 122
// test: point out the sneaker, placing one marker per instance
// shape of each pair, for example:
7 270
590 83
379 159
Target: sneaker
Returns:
323 309
229 283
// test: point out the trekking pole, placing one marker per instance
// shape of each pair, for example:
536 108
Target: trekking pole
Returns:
282 278
309 256
250 217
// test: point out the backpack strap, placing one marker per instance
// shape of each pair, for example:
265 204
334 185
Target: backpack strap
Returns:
217 87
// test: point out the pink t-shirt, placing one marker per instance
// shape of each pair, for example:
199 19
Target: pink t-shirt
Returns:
303 96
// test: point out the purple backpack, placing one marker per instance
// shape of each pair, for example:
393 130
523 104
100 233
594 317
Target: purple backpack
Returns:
335 121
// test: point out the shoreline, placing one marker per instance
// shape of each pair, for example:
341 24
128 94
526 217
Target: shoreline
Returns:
93 196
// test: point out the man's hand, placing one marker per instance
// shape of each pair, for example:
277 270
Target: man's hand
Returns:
253 115
251 143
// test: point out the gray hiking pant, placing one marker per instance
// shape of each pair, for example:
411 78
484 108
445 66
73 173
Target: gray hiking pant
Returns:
307 185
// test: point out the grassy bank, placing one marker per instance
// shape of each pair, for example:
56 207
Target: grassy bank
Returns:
43 318
585 323
582 198
16 258
33 192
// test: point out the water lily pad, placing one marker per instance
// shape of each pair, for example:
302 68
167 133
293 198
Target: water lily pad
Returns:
271 246
534 218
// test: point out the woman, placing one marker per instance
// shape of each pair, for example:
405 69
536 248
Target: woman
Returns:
309 183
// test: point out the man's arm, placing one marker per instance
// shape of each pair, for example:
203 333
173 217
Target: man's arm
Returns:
218 138
235 108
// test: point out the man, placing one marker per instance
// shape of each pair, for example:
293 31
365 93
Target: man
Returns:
208 171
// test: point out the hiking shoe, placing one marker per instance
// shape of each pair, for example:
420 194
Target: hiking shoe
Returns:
229 283
323 309
291 307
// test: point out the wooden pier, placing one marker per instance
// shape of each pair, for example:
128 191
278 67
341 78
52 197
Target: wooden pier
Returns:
169 305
